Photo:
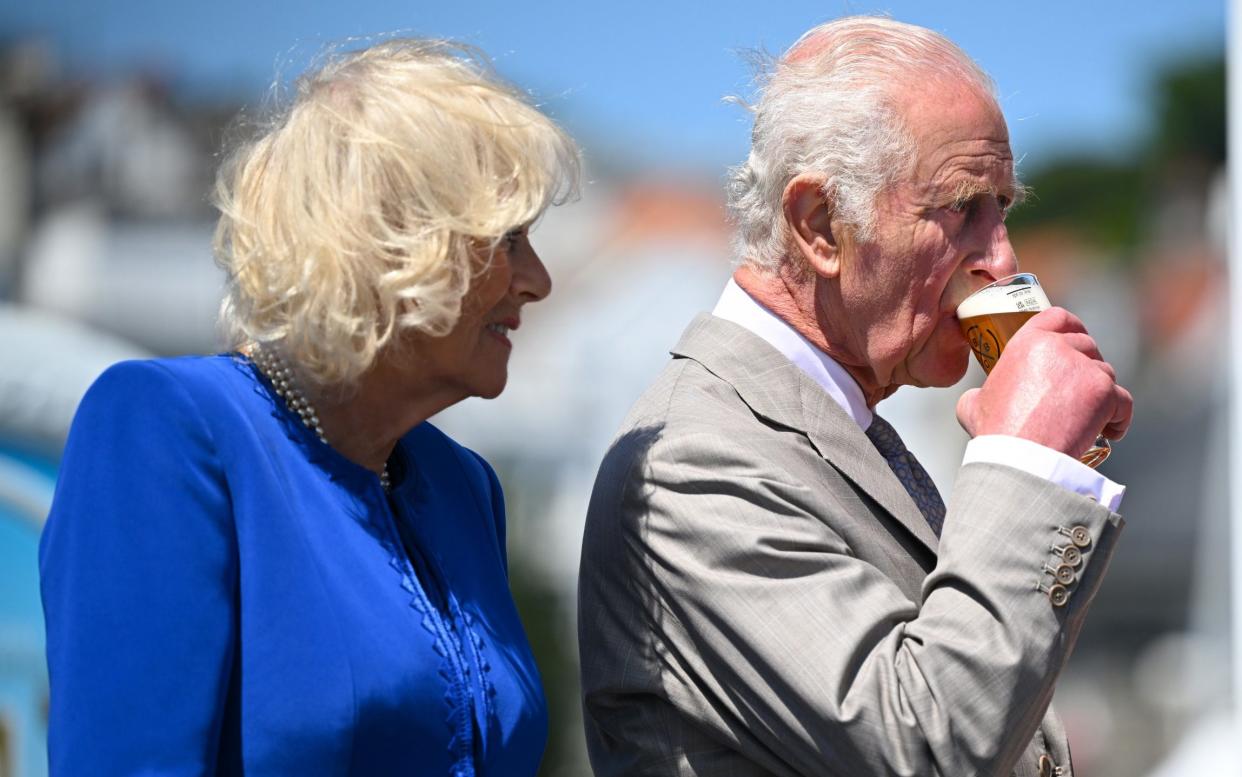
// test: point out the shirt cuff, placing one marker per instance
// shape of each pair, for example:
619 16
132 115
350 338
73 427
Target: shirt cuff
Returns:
1043 462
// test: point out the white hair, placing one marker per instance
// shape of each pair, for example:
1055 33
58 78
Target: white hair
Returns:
365 207
827 107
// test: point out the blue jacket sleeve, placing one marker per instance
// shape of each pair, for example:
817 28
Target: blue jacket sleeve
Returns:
138 575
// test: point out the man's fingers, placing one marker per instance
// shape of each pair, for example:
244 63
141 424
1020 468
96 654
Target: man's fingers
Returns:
1108 370
1056 320
1123 413
1084 344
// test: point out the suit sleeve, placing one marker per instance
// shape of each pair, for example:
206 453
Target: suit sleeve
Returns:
772 633
138 575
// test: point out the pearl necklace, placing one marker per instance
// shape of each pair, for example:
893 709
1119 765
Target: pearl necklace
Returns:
281 377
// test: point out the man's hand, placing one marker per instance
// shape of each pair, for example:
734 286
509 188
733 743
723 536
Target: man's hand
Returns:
1050 386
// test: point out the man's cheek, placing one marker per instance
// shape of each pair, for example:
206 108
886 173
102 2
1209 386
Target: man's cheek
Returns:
951 348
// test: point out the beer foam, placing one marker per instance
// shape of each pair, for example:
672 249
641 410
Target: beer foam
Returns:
1021 298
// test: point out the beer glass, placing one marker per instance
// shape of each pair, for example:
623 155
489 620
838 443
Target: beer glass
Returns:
994 313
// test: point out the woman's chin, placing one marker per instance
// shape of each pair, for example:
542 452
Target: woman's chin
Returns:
492 388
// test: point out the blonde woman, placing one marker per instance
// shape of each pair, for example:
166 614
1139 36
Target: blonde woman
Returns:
268 562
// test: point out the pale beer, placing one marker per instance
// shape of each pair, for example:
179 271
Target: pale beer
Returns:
993 315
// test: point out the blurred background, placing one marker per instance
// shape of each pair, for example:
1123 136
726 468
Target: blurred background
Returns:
113 116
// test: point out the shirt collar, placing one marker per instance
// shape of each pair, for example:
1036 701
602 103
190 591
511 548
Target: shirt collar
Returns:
742 309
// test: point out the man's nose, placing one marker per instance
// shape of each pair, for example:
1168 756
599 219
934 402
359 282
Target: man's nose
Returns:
997 258
1004 260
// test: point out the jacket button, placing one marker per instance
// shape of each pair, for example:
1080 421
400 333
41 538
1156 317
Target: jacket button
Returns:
1058 595
1046 766
1080 536
1064 574
1071 555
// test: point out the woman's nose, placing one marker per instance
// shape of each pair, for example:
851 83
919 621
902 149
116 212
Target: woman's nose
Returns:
531 280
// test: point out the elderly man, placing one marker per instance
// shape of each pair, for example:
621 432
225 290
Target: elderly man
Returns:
770 582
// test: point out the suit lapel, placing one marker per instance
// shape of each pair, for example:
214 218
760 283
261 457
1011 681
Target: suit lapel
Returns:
839 440
774 388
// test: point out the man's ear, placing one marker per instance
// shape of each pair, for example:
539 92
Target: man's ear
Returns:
809 214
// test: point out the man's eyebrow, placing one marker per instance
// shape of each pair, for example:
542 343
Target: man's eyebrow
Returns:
968 189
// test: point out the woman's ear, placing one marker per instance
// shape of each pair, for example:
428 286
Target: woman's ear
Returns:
809 214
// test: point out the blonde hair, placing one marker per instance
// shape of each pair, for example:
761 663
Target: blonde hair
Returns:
362 208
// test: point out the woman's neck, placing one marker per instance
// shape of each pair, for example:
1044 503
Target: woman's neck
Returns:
365 424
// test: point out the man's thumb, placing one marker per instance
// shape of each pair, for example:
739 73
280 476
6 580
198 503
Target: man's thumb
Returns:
966 405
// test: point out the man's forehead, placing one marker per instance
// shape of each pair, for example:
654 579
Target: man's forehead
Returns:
965 177
981 161
957 130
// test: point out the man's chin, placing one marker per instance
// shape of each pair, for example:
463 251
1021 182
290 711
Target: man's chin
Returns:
944 374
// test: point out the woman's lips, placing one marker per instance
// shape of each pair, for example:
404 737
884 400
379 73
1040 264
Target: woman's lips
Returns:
500 331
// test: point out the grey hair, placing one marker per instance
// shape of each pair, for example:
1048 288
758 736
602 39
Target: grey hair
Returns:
827 107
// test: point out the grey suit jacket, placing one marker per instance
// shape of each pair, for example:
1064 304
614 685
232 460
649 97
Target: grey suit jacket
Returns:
760 596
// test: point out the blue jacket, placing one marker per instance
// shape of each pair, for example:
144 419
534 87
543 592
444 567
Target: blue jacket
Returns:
226 595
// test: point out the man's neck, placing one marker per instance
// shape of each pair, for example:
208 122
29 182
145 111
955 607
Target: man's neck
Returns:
794 301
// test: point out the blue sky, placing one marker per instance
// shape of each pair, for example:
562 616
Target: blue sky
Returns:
648 76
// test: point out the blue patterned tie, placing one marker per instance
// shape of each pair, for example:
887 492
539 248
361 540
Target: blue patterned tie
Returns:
908 470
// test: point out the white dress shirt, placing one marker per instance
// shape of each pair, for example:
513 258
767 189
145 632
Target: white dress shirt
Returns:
739 307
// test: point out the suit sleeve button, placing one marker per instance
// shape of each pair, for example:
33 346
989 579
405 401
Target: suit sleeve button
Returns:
1064 574
1071 555
1046 767
1080 536
1058 594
